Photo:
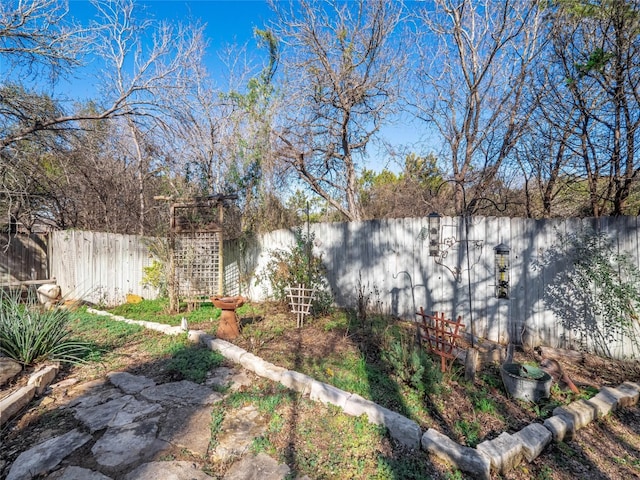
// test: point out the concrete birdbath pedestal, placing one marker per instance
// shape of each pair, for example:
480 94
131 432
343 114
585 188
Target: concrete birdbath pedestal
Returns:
228 328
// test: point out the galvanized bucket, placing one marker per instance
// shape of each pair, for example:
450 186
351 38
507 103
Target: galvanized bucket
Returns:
526 383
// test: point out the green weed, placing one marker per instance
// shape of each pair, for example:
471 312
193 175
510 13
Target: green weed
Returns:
338 321
469 430
566 450
263 444
455 475
217 417
546 473
193 363
492 380
481 401
409 467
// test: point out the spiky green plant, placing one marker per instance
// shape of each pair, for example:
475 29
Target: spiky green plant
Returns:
29 334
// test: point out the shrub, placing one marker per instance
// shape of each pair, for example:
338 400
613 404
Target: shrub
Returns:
29 334
154 276
597 294
157 275
289 268
411 364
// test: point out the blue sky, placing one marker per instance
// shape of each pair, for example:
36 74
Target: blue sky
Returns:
226 19
227 22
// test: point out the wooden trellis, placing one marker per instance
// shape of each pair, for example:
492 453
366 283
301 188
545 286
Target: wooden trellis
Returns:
196 257
300 300
195 244
440 334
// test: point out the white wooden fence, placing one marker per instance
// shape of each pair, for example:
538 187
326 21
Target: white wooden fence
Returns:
389 261
100 268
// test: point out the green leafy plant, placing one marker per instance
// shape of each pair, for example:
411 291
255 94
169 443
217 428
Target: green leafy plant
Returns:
30 334
470 430
411 363
597 295
298 265
154 276
482 402
217 417
194 363
157 274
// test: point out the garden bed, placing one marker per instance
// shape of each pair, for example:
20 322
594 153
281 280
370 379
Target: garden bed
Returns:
353 355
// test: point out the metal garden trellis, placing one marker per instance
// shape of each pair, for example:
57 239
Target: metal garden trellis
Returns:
441 335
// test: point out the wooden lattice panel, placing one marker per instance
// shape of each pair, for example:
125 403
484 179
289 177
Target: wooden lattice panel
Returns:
300 299
440 334
196 260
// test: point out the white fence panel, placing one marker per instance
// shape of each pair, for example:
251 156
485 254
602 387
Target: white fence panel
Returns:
98 267
389 259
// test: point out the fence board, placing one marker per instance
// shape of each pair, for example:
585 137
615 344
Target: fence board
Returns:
391 257
99 267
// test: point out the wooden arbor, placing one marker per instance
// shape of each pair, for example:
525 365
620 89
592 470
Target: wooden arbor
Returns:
195 248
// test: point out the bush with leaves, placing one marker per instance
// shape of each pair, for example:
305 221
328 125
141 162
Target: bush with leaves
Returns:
298 266
30 334
596 295
157 275
410 363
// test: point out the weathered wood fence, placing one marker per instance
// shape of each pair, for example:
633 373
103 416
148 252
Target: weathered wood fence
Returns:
100 268
23 258
387 261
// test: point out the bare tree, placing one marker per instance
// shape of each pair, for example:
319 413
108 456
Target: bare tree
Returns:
472 84
341 69
36 38
144 92
596 51
158 68
546 152
146 66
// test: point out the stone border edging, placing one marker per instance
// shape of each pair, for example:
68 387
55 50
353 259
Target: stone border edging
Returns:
36 385
404 430
159 327
500 454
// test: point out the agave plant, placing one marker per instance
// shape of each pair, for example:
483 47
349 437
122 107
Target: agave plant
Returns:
30 334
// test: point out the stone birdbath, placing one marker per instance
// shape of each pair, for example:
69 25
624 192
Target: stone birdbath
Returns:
228 328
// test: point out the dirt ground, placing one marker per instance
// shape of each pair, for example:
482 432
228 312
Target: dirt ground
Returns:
606 449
